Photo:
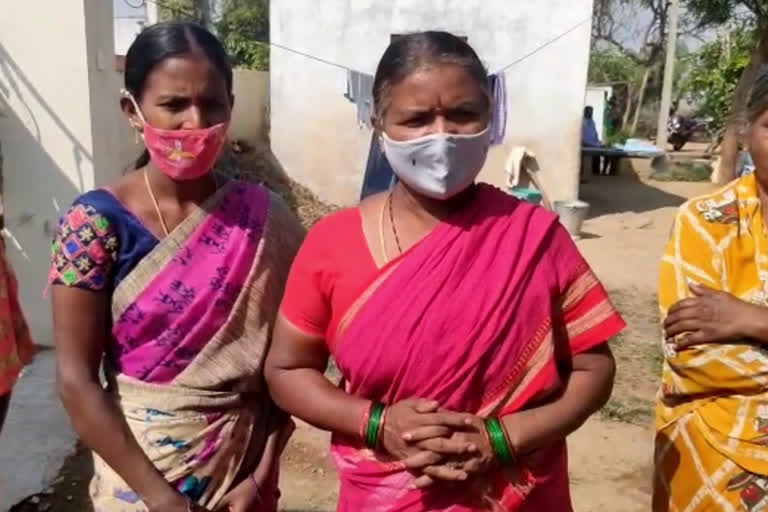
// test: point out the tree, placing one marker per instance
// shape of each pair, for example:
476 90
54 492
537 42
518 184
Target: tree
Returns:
739 13
609 66
715 70
243 27
608 31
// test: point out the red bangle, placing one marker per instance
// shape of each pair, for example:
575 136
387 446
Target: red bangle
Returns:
362 431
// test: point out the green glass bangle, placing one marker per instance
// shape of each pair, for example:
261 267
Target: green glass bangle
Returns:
374 425
499 442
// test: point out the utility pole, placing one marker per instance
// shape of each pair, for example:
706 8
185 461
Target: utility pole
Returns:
669 75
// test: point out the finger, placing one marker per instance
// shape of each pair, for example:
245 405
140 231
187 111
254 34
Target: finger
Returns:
425 406
422 433
688 313
423 482
683 304
701 290
695 338
446 473
683 327
422 460
448 446
448 419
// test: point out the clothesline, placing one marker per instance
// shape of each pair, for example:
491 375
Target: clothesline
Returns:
500 70
347 68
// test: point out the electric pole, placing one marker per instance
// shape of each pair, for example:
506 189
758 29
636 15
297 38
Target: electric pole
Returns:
669 75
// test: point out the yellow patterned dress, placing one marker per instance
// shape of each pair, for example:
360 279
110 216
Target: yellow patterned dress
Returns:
712 413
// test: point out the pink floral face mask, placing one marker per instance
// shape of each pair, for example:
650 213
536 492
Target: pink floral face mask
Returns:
182 154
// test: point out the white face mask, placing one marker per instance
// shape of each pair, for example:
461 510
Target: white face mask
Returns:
439 166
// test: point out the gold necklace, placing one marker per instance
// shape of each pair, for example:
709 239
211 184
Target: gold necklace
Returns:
155 203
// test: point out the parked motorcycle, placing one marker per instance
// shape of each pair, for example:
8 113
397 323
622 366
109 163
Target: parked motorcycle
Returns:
680 130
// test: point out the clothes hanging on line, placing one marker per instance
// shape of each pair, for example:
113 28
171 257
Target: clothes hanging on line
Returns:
360 92
379 175
498 86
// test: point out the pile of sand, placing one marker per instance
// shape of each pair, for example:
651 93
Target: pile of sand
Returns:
259 164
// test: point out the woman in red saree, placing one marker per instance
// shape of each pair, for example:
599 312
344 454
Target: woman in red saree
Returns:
467 327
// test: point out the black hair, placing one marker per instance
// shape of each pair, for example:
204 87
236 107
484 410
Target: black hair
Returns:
411 52
163 41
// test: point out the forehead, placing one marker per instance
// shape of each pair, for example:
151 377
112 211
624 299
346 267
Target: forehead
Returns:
188 74
446 84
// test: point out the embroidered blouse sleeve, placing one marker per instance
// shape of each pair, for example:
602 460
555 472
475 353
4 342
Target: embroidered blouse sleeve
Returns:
84 249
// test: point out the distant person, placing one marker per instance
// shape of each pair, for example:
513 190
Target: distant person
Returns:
589 136
590 139
712 415
470 333
173 276
16 346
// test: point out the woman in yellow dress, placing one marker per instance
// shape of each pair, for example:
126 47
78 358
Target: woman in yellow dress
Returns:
712 413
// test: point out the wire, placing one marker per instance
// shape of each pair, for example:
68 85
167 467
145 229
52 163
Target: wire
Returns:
307 55
543 46
538 49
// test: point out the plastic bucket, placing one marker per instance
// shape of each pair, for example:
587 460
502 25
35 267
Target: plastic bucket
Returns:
572 215
530 195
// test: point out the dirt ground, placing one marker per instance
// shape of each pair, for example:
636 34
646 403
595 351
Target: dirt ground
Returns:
611 456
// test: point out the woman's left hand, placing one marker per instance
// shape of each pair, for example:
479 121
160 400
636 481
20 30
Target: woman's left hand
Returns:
710 316
474 464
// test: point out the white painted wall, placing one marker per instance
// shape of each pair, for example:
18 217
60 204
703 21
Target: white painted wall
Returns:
313 129
61 129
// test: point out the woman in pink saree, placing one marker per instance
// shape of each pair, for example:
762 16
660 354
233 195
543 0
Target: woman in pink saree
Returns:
469 332
173 276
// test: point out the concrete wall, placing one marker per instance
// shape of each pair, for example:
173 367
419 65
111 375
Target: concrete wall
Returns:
250 119
314 133
60 126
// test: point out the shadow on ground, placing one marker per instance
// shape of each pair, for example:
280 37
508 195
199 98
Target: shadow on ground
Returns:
608 195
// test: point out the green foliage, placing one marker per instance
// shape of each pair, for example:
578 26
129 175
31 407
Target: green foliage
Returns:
619 137
179 10
720 12
685 171
243 28
609 66
714 71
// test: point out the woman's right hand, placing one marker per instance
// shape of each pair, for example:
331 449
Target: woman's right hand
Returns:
177 503
423 415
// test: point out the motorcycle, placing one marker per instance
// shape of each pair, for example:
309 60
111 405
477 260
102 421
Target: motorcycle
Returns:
680 130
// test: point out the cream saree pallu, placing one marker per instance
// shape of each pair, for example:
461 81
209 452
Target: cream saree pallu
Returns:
191 327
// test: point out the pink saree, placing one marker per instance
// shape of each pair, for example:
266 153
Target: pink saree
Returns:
498 300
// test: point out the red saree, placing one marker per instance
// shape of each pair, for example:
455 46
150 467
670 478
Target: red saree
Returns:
482 316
